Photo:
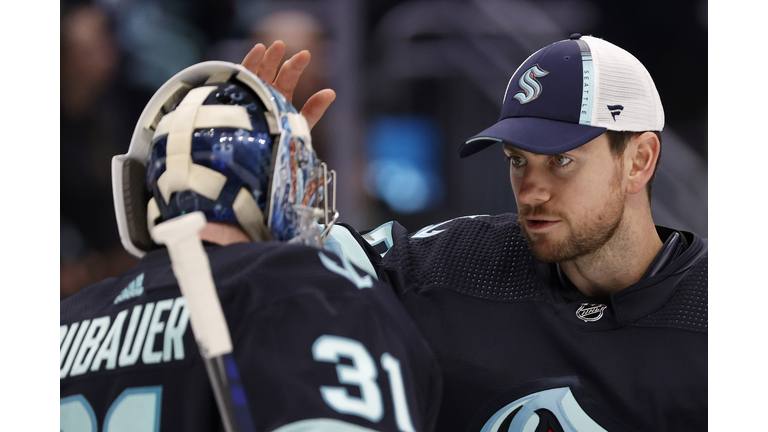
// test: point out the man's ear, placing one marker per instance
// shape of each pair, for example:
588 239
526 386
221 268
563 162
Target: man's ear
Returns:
641 155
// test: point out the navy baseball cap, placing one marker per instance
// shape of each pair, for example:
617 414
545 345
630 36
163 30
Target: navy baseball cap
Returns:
568 93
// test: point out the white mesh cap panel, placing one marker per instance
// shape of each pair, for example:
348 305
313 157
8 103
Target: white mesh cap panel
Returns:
622 80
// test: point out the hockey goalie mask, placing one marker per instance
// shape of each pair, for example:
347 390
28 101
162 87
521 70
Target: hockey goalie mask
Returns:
215 138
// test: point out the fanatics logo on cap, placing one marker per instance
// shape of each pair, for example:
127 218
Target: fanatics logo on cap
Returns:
615 110
590 312
531 87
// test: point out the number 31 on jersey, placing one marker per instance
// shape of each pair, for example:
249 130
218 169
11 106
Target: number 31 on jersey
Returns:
138 409
362 373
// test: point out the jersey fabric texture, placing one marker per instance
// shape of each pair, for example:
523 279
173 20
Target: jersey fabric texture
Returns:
520 349
319 345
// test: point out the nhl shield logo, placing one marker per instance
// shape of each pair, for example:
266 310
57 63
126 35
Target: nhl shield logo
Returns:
588 312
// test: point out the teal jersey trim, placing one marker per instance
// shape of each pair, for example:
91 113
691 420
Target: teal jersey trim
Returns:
382 234
342 243
322 425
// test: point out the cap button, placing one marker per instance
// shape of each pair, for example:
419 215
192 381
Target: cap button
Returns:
575 36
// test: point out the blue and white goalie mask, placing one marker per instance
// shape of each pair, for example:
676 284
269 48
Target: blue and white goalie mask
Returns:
215 138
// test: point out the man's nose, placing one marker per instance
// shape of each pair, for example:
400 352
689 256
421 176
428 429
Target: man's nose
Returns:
534 188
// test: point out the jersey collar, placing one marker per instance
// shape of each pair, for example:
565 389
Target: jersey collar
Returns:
644 297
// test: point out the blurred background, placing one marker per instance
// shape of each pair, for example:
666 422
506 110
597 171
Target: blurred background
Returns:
414 78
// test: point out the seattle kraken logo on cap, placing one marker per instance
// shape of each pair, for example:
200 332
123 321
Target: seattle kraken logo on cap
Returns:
531 87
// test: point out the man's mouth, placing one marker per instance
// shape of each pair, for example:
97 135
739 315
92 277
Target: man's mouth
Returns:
539 224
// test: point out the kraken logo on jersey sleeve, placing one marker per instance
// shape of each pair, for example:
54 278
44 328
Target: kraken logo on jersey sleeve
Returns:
347 271
431 230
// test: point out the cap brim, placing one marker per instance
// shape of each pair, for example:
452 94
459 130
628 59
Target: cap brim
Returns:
536 135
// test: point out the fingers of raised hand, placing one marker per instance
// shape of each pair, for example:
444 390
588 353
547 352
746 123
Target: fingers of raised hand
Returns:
271 61
265 62
289 74
316 105
252 60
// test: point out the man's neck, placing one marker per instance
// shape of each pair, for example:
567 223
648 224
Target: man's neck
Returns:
619 263
223 233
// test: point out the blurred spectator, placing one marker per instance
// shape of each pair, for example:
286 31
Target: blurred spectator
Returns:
299 30
97 118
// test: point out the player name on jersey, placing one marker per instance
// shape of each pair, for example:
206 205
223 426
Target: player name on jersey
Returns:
106 343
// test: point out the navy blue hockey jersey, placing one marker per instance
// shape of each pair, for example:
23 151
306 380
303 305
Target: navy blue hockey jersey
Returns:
319 345
521 349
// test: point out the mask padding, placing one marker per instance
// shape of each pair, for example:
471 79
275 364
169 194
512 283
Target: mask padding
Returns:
135 199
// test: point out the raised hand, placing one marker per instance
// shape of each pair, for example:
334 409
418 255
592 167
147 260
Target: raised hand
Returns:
264 62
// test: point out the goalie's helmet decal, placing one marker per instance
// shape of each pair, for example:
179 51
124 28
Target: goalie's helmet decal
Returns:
217 139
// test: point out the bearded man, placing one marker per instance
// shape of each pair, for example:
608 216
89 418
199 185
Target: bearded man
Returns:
578 314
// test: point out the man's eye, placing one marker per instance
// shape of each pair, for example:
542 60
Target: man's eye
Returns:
561 160
516 160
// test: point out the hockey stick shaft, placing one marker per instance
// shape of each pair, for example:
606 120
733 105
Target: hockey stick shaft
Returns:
192 269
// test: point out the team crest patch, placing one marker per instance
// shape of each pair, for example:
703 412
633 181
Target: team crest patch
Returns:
547 410
555 404
531 88
588 312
